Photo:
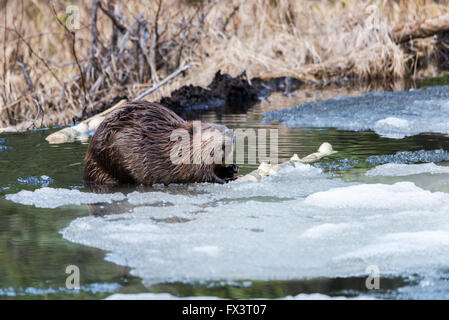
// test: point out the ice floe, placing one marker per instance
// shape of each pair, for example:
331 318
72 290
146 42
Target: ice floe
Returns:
390 114
56 197
397 169
43 180
297 224
399 196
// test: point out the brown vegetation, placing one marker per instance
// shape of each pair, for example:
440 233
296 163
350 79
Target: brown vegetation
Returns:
51 73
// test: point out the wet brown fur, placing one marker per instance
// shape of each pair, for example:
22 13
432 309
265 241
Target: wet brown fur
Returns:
132 146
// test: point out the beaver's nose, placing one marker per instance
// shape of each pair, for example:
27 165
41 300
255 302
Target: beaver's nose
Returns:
235 168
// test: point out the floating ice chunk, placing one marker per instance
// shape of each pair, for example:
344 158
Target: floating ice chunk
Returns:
43 180
2 147
295 224
411 157
52 198
392 127
378 196
396 169
392 114
296 238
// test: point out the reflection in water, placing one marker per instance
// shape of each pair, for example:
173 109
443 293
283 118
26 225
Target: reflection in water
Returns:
350 286
33 254
433 140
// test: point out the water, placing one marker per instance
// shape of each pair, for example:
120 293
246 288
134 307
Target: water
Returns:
307 230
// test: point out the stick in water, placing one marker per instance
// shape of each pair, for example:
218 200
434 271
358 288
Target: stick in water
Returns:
267 169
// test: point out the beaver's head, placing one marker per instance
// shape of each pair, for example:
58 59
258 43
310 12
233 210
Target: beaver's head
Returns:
217 143
207 146
217 148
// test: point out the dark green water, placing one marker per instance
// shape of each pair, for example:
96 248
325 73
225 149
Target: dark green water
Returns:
34 256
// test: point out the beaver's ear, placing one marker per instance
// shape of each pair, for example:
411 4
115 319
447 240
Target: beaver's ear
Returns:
188 126
178 125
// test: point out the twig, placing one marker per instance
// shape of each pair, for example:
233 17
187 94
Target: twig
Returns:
25 72
226 22
420 29
5 3
143 58
39 109
114 20
96 85
61 96
160 84
93 38
154 45
20 26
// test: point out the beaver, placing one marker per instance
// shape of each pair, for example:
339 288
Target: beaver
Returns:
135 145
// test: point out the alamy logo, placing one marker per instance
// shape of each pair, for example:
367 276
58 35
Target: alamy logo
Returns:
73 280
73 17
373 280
207 144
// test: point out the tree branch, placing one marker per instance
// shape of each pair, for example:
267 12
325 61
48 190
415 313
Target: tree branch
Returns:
420 29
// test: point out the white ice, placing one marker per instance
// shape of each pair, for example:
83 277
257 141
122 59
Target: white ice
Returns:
428 176
298 224
301 223
398 169
52 198
390 114
399 196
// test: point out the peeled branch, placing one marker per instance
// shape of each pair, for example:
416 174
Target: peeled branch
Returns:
71 133
267 169
324 150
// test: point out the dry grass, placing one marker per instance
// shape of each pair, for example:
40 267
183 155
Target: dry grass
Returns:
311 40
